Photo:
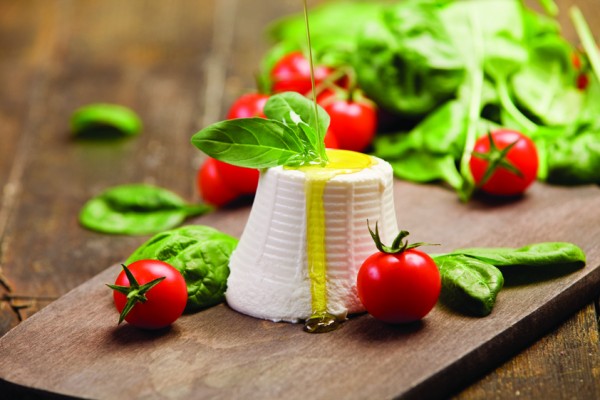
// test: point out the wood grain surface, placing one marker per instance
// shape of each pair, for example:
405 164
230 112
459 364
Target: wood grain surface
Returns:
219 353
180 65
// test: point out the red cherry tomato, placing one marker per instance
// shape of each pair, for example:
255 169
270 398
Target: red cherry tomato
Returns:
400 287
212 186
292 73
239 179
353 122
582 81
522 156
248 105
165 301
331 141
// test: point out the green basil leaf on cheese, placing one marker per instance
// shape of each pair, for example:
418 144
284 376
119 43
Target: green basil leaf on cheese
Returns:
292 135
250 142
294 109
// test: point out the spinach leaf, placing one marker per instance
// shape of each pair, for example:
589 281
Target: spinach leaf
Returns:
293 137
468 284
472 278
430 151
572 160
405 60
103 120
136 209
539 254
499 28
545 86
418 166
200 253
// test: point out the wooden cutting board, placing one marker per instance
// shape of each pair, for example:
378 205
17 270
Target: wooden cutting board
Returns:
73 346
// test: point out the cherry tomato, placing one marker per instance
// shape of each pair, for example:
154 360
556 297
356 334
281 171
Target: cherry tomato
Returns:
353 121
400 287
292 73
164 302
331 141
248 105
522 157
212 186
239 179
582 81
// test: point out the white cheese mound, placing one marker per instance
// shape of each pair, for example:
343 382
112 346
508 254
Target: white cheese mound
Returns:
269 276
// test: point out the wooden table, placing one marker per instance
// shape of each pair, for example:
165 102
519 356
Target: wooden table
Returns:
179 64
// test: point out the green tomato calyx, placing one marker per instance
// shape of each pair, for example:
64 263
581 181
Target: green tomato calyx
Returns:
134 292
496 158
398 246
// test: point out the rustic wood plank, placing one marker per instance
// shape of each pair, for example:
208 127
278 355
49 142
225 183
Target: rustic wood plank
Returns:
90 52
64 57
219 353
562 365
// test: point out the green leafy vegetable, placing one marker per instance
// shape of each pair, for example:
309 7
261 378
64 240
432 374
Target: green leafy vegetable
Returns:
200 253
472 278
451 70
292 135
137 209
469 284
102 119
539 254
405 60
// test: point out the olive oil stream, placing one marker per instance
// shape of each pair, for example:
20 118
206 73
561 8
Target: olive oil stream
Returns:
339 162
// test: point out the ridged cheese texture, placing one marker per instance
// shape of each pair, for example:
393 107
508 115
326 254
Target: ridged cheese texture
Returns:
270 277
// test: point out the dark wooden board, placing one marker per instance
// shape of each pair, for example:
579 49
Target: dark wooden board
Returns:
73 346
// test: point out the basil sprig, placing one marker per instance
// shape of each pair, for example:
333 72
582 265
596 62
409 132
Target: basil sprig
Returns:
472 278
291 135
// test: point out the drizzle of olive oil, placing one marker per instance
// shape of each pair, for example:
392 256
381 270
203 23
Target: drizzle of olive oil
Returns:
340 162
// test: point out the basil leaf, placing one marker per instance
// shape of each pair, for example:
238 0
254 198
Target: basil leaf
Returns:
251 143
539 254
468 284
200 253
136 209
298 112
103 120
293 108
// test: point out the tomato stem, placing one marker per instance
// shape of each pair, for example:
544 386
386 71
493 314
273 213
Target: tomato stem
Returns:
135 292
496 158
398 246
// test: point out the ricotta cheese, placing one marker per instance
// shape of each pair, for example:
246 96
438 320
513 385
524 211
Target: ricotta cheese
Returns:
273 274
